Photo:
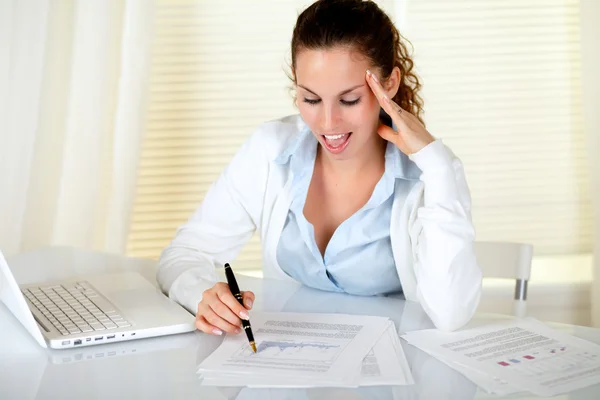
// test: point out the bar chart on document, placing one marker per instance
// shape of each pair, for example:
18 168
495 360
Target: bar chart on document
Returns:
291 350
549 359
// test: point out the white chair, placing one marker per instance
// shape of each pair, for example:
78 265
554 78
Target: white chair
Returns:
507 261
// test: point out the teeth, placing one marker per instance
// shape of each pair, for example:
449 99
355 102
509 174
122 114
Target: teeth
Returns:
334 137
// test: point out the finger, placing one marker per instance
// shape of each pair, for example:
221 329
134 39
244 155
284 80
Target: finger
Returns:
394 106
204 326
248 299
224 312
212 318
390 106
378 90
201 322
387 133
234 305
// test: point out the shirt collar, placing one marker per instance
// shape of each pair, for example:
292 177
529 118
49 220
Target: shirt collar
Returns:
298 146
398 164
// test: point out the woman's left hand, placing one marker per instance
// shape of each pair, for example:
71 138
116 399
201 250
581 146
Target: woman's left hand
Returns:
412 135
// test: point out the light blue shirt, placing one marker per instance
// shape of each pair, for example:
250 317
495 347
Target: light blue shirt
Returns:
358 259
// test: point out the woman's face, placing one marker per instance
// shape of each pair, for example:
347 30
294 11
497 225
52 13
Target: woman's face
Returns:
335 100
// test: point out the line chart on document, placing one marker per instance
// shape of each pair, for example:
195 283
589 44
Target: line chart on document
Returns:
292 350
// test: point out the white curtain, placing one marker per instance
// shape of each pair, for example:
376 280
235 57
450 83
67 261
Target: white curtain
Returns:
590 44
73 78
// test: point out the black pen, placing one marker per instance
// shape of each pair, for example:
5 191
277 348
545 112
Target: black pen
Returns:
235 290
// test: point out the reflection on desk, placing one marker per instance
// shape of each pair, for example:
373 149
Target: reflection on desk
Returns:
165 367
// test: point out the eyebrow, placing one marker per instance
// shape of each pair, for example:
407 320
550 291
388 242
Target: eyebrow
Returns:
341 93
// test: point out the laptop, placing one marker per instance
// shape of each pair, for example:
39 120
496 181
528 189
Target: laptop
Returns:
92 309
181 342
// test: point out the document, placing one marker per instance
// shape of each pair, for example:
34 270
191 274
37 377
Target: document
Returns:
489 384
306 350
517 355
386 363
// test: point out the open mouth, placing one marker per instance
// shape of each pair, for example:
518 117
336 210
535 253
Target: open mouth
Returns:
336 143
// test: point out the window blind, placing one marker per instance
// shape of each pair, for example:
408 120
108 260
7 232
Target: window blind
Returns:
218 71
502 87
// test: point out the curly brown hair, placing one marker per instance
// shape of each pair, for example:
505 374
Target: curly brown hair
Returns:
365 27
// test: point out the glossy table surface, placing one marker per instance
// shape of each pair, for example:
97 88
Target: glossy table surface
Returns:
165 367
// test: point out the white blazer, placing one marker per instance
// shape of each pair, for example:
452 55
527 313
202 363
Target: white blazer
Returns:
431 230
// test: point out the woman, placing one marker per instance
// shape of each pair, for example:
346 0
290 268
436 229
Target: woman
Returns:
352 195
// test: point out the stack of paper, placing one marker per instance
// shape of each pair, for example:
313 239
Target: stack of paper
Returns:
514 356
309 350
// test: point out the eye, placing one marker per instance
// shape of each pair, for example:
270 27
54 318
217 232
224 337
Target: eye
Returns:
350 103
312 101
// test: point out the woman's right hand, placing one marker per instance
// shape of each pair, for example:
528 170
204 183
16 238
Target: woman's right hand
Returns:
220 312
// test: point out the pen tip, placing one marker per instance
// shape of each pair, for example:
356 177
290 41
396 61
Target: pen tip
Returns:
253 345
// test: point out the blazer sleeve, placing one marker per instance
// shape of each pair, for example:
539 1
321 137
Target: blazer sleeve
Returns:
442 240
219 227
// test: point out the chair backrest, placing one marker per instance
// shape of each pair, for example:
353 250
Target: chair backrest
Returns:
504 260
509 261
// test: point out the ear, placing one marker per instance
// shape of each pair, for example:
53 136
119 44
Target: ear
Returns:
393 82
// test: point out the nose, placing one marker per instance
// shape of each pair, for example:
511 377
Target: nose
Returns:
330 116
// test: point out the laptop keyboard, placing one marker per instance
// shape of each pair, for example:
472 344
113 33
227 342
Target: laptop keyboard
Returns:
75 308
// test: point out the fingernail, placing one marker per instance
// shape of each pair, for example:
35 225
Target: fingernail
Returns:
238 330
372 75
249 303
217 332
244 315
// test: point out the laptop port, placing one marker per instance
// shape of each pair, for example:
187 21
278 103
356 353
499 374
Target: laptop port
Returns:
98 338
89 339
76 342
66 342
110 337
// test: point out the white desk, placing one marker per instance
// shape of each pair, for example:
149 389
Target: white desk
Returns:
166 367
